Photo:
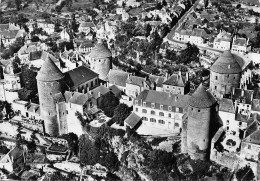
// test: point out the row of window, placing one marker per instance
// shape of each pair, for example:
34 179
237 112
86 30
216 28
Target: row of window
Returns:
216 77
152 120
153 112
153 106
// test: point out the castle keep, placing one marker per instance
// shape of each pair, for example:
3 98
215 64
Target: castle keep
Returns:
49 82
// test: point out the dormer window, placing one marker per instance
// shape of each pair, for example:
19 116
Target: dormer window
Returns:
152 105
161 106
169 108
177 109
136 102
144 104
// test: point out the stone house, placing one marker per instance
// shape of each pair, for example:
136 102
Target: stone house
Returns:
135 85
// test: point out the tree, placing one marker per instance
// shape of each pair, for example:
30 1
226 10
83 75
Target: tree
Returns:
35 39
238 6
72 139
19 139
32 144
28 78
245 174
108 104
18 4
58 176
89 154
121 112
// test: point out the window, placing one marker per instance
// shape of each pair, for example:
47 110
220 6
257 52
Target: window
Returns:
144 104
161 121
152 120
177 109
169 108
176 125
152 105
144 111
161 106
249 147
227 75
216 78
161 114
169 115
153 112
145 118
136 102
91 83
215 87
136 109
227 122
198 110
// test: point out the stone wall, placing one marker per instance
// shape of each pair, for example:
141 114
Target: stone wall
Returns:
101 66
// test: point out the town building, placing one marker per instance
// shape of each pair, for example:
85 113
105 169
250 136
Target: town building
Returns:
117 78
240 45
161 109
198 124
222 41
135 85
229 71
100 59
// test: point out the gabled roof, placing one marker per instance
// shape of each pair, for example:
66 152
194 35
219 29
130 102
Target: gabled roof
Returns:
68 95
102 90
163 98
115 90
79 75
117 77
59 97
240 42
49 71
254 138
176 80
226 105
202 98
79 98
34 108
132 120
9 34
240 94
100 51
135 80
229 63
87 24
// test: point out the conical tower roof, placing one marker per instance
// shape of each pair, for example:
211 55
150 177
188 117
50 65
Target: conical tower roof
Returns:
202 98
49 71
100 51
228 63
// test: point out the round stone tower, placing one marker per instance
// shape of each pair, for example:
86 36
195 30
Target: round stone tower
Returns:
49 82
225 73
200 115
100 60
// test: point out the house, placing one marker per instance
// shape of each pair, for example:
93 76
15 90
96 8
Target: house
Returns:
37 58
8 37
157 82
222 41
81 79
117 78
87 27
161 109
135 85
65 35
132 120
240 45
98 93
48 27
12 159
177 84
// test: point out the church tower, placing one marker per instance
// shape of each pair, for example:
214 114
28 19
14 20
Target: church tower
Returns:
100 59
201 112
49 82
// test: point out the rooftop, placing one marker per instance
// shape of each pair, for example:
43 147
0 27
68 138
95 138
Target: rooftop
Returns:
132 120
79 98
202 98
226 105
100 51
117 77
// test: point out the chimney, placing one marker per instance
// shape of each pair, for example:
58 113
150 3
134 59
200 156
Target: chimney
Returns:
83 91
233 90
242 93
170 94
179 74
229 66
176 98
166 75
99 94
187 76
87 89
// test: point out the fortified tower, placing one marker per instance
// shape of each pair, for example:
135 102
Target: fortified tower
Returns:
201 114
226 73
49 82
100 59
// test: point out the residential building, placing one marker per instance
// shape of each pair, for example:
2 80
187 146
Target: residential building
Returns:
222 41
135 85
87 27
161 109
240 45
117 78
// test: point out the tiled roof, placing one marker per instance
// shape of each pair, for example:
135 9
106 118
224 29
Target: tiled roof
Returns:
9 34
253 138
4 27
68 95
158 80
87 44
100 51
226 105
87 24
117 77
176 80
240 42
132 120
202 98
102 90
34 108
79 98
229 63
135 80
79 75
247 97
256 105
115 90
49 71
163 98
59 97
